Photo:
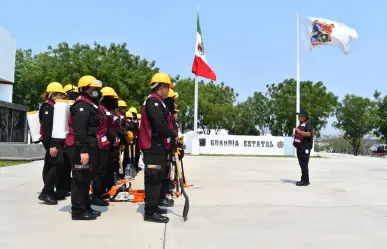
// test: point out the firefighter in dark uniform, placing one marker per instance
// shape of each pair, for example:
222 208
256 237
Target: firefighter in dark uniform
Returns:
82 146
52 162
303 141
105 138
71 91
135 148
122 132
155 140
129 140
64 177
113 164
167 182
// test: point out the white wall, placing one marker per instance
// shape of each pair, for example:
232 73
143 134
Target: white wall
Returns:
6 92
7 63
241 145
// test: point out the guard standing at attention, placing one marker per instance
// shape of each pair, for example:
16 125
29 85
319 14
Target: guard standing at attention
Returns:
303 141
82 146
52 162
156 133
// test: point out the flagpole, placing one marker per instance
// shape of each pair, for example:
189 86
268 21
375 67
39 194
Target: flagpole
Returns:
196 98
298 68
195 140
196 106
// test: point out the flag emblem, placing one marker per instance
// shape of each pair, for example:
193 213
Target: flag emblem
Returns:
200 49
321 32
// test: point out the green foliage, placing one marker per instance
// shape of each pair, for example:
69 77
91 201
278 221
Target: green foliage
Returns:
315 99
129 75
356 117
381 116
114 66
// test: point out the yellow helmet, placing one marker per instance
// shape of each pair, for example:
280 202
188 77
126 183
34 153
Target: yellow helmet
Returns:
138 116
122 103
89 80
129 114
161 78
71 88
108 91
133 109
55 87
171 93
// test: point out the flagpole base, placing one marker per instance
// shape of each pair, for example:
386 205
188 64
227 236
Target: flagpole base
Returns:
195 146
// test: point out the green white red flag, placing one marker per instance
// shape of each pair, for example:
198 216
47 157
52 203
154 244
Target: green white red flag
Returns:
200 66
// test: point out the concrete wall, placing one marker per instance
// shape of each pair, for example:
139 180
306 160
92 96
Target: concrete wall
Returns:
7 64
14 151
241 149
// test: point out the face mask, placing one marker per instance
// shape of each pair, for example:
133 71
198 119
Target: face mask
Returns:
94 94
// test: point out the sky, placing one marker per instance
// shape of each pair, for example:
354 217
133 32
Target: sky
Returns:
249 44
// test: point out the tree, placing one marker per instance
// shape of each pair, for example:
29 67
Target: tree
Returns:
315 99
381 116
243 121
216 104
113 65
185 103
356 117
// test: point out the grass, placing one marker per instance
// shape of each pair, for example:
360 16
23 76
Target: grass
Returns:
11 163
284 156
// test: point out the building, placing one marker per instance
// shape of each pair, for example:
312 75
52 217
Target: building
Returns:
7 64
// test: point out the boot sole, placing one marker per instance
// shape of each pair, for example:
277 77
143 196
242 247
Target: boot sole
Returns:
94 218
50 203
156 221
169 205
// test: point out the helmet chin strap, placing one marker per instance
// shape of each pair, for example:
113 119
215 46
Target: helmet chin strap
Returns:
154 85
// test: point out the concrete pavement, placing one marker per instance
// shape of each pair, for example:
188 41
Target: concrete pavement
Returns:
236 202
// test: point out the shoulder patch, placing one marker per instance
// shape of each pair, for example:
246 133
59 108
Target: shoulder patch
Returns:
156 104
81 109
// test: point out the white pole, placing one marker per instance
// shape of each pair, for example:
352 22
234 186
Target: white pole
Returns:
298 68
195 140
196 104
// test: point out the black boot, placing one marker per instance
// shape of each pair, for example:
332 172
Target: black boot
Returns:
96 213
48 199
302 183
60 196
99 202
155 217
83 216
161 210
165 202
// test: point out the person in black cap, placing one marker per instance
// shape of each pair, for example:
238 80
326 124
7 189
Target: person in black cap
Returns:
303 141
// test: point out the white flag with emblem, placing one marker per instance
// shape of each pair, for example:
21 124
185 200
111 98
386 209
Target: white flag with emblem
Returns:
316 32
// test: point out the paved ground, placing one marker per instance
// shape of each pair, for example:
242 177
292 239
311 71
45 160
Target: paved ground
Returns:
237 203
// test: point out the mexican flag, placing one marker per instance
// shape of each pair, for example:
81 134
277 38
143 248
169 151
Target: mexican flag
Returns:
200 66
